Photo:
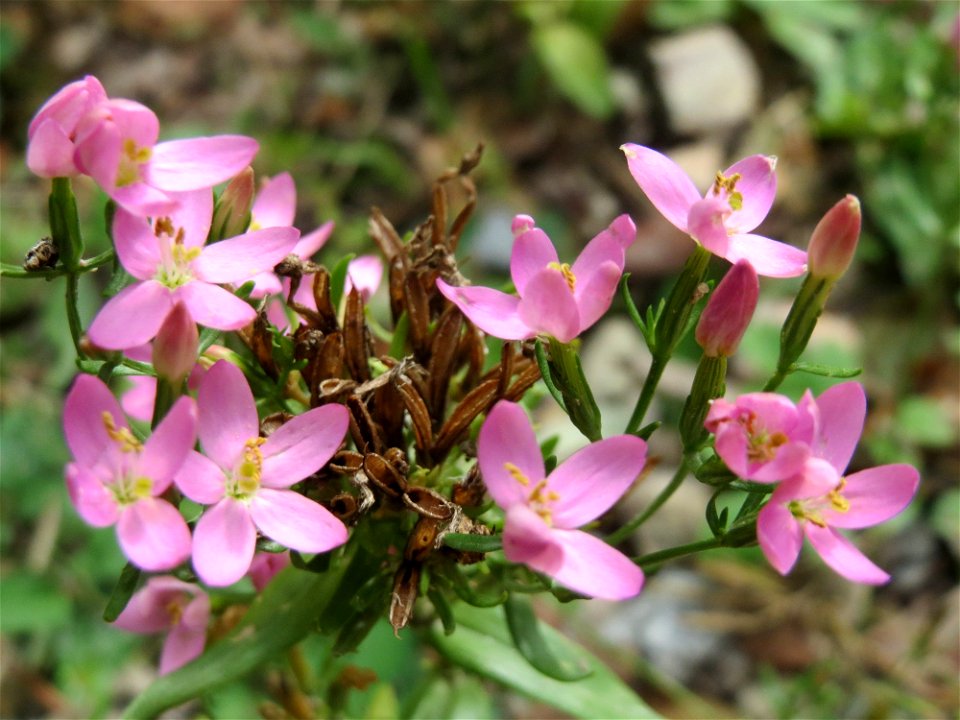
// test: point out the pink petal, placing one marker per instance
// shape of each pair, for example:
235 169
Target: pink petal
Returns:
843 409
591 480
757 186
201 162
131 317
149 609
595 292
50 151
142 199
276 203
193 214
200 479
604 249
706 223
532 252
663 182
169 444
549 307
779 535
591 567
816 479
308 245
296 522
303 445
227 414
264 284
137 401
136 245
492 311
69 104
212 306
94 502
875 496
528 539
182 645
153 534
843 557
507 440
769 258
364 273
223 543
83 410
265 567
246 255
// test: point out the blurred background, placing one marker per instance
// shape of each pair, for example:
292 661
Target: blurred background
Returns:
365 104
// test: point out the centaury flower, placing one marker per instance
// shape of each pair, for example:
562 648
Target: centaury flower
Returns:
542 512
556 299
723 219
168 258
115 479
246 477
820 499
53 130
177 608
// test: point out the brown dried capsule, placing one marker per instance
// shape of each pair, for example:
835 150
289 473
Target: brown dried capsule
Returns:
406 587
356 337
384 475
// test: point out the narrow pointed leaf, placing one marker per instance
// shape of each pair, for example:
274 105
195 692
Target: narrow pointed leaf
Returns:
525 631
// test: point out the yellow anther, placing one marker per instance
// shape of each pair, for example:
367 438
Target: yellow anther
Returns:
728 185
516 473
837 501
183 255
128 171
247 475
121 435
174 610
140 488
163 226
567 273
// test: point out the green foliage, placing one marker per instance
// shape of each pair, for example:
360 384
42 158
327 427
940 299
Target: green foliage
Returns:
576 64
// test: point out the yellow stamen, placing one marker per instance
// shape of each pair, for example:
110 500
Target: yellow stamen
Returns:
247 475
728 185
132 157
174 610
516 473
567 273
120 435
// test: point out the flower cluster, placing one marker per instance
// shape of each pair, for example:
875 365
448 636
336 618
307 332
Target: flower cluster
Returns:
312 427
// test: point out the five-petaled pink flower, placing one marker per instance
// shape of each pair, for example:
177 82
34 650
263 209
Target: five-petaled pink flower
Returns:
246 477
555 298
542 512
722 220
820 499
117 479
166 604
762 437
168 257
116 145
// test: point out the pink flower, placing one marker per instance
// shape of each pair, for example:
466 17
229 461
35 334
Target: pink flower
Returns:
116 479
117 146
52 131
265 567
168 257
180 609
542 512
834 240
819 499
138 397
722 220
555 299
364 273
246 478
762 436
729 310
276 206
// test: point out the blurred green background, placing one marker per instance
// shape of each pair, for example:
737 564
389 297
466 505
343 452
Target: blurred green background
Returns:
365 104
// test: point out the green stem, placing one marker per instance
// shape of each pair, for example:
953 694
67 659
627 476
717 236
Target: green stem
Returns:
646 394
73 314
655 558
622 533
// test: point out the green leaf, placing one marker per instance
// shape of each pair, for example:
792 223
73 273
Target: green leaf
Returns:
525 631
482 645
925 422
338 279
545 374
576 64
578 400
32 604
473 543
126 584
825 370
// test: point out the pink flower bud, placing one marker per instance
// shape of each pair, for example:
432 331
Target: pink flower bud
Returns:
729 311
834 239
176 344
232 214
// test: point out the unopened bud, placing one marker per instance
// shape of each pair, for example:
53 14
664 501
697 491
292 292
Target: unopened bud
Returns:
176 344
834 240
231 216
729 311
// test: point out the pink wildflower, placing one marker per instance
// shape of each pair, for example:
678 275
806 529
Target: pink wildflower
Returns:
116 479
820 499
180 609
542 512
722 220
762 436
555 299
168 257
53 130
117 146
729 310
245 477
265 567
